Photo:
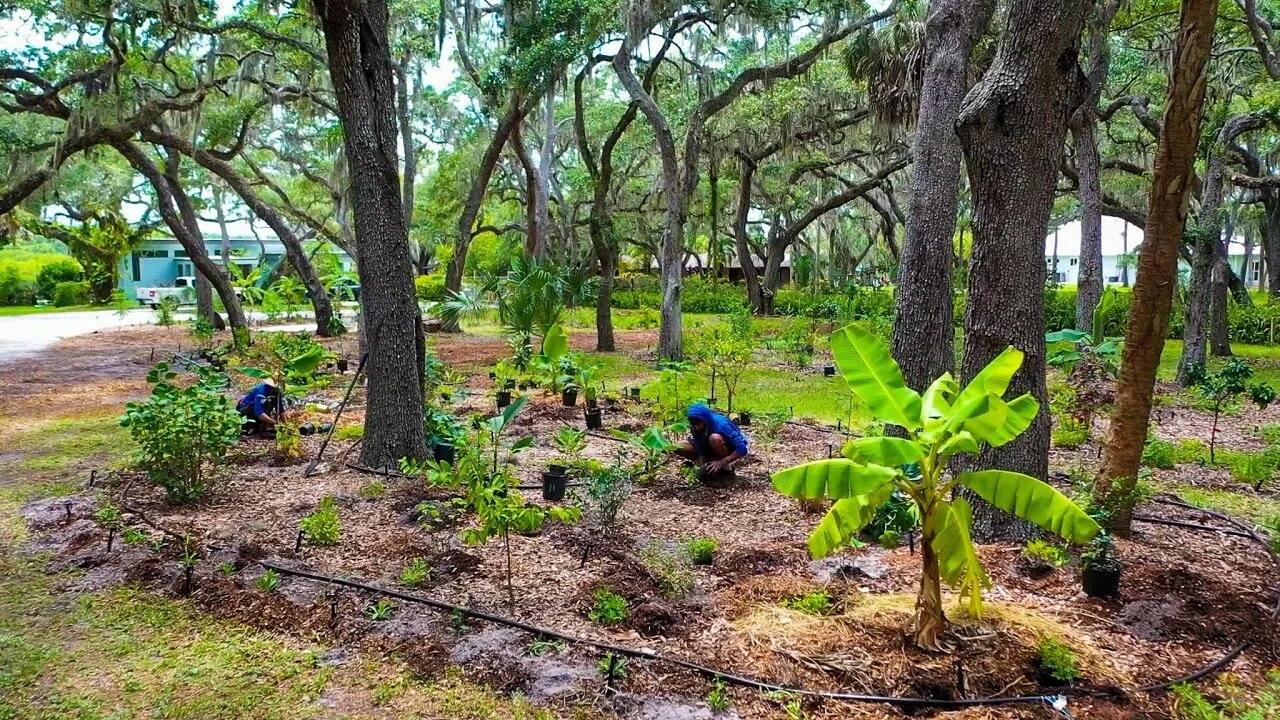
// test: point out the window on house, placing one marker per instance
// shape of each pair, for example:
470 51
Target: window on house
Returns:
1255 272
1074 260
180 253
1113 278
152 253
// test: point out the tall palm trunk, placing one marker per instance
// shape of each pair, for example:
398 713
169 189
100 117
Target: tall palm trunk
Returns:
1158 262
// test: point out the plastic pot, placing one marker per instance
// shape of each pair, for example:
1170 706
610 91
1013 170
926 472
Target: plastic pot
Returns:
553 484
594 420
443 452
569 397
1100 582
635 392
744 419
829 370
504 398
509 385
343 365
307 429
555 469
591 402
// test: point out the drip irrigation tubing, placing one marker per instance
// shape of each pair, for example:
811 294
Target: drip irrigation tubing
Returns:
397 474
1055 701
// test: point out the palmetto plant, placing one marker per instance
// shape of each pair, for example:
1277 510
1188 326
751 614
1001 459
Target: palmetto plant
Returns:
943 422
530 297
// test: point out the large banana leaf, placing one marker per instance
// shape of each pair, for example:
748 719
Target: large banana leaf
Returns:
961 442
874 377
306 363
837 478
888 451
958 562
983 426
1065 336
936 401
1018 416
994 378
555 343
844 520
1033 501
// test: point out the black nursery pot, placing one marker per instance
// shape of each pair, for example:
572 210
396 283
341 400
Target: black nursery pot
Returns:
504 398
343 365
569 397
594 420
1100 582
443 452
591 402
553 484
509 385
829 370
635 392
307 429
744 419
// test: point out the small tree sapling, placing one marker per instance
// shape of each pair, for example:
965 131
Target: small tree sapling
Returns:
1223 386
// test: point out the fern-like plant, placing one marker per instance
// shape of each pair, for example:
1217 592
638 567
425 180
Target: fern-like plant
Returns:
945 421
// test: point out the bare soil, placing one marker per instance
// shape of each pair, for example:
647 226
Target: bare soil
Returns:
1186 597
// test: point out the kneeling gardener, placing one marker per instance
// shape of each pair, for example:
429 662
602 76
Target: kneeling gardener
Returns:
714 442
259 407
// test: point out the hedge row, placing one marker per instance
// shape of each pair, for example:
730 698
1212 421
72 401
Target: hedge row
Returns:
1258 324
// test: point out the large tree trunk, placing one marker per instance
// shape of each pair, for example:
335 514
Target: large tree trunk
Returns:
191 219
360 67
196 251
742 244
671 266
1208 245
1270 250
1089 280
542 184
1171 182
1012 126
405 112
1219 282
923 335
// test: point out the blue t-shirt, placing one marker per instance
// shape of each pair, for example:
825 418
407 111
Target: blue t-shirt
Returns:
716 423
260 399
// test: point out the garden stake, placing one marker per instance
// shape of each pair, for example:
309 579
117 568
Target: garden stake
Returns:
111 535
585 552
911 541
93 476
608 676
829 449
67 505
186 583
153 353
333 610
962 682
334 425
297 544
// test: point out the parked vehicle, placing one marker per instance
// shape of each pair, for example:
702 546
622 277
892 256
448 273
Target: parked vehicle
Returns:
183 290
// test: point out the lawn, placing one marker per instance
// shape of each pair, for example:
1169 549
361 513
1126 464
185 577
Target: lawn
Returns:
10 310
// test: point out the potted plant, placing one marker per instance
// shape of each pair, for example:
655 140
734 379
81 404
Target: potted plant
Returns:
586 380
744 418
1100 568
828 370
569 394
594 419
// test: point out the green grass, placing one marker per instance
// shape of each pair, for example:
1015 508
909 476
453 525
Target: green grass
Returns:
76 443
9 310
1244 506
1265 360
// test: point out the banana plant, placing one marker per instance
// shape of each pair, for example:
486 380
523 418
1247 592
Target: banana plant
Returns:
1068 347
945 421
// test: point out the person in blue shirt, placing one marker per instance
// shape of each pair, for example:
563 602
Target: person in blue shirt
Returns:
714 442
259 407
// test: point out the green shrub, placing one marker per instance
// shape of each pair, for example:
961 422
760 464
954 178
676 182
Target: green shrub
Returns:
1251 468
1159 453
1070 433
322 527
416 573
349 432
701 550
608 607
1045 552
817 602
718 697
268 581
430 288
373 490
889 539
182 432
67 294
62 270
1269 433
1191 450
1057 660
670 570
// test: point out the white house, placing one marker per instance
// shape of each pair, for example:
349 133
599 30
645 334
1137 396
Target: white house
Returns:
1119 240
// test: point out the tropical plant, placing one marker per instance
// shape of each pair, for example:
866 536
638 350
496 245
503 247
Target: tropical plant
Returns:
268 581
1066 348
945 421
182 431
729 355
673 391
570 442
607 490
653 446
380 610
1222 387
818 602
701 550
1046 552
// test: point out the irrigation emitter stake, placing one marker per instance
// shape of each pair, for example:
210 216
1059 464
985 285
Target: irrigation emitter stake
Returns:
186 583
297 544
93 476
67 505
111 536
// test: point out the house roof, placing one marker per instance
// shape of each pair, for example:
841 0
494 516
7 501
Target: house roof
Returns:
1117 234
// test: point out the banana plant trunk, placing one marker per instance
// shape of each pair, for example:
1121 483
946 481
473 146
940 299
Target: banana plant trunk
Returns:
929 621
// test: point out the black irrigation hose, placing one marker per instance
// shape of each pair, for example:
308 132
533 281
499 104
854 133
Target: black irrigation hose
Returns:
333 426
403 476
1052 700
646 654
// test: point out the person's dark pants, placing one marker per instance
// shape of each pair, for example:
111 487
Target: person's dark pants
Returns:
249 424
719 449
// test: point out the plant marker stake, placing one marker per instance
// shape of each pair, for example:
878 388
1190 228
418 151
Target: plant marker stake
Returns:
333 610
111 536
67 505
608 677
186 584
838 428
911 541
793 412
829 449
297 544
153 353
93 476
